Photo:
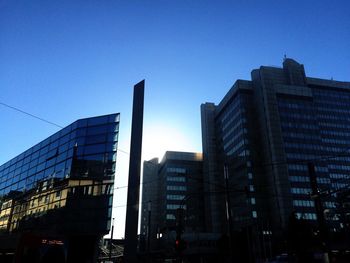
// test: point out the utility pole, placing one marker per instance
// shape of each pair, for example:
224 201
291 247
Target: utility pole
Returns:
228 211
149 228
110 241
179 243
316 196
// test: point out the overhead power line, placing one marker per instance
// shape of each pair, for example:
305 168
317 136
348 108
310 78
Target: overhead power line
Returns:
31 115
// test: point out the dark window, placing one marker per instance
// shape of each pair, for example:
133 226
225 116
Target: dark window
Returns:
65 131
54 145
97 148
64 139
44 150
82 123
96 139
96 130
95 157
63 148
81 132
97 120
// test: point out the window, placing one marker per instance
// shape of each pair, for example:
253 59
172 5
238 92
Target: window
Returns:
96 148
170 217
101 138
254 214
252 201
250 176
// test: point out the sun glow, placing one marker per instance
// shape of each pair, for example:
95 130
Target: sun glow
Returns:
159 138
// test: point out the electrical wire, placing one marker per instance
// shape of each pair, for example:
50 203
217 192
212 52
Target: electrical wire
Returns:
31 115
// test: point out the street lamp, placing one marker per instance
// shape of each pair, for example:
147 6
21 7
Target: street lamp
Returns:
110 242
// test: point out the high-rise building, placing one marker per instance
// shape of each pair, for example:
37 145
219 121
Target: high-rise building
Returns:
262 135
175 182
56 197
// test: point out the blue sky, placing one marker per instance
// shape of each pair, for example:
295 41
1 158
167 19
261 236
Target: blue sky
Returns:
65 60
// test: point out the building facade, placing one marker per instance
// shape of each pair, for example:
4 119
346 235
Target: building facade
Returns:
262 135
175 182
56 197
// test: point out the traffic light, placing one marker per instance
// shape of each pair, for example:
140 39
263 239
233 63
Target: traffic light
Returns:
180 245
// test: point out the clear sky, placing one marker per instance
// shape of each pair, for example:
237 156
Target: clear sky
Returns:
65 60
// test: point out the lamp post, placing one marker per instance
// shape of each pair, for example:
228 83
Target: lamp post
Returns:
111 240
149 228
228 211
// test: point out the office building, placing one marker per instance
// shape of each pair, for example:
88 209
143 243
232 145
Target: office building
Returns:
56 197
263 134
175 182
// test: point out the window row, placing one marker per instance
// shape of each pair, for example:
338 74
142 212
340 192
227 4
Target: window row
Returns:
339 167
176 179
339 176
298 116
303 191
233 107
296 105
341 125
175 206
57 165
297 167
337 117
329 95
340 185
238 121
236 130
307 216
335 141
304 203
302 146
236 147
53 144
328 204
56 155
335 133
176 187
175 197
176 170
299 125
170 217
302 179
301 156
323 180
300 135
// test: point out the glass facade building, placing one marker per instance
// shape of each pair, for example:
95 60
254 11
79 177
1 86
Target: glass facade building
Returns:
57 195
266 131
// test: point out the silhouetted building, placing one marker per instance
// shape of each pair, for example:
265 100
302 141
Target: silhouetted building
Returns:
264 132
56 197
175 182
150 206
